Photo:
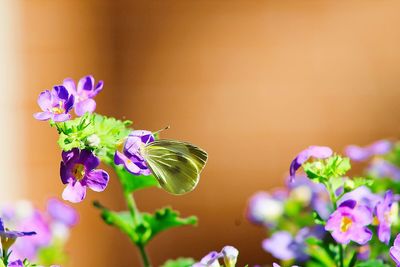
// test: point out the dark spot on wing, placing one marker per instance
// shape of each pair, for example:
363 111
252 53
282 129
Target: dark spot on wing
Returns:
175 170
181 158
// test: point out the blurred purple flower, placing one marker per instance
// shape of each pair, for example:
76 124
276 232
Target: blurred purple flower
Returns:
357 153
310 193
349 223
381 168
395 251
384 214
55 104
364 252
47 225
84 93
78 171
62 213
264 209
29 248
282 245
131 157
319 152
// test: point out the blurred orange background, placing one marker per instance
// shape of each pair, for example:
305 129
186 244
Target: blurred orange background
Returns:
252 82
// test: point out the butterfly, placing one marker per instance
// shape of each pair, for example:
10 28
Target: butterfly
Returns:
176 165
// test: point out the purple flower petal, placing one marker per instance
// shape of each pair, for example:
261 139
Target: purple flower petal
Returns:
17 263
74 192
61 117
87 158
120 158
69 84
88 105
85 83
45 100
395 255
97 180
61 91
348 203
42 116
361 235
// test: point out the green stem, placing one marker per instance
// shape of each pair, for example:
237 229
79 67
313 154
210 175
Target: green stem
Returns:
334 200
341 260
136 217
145 257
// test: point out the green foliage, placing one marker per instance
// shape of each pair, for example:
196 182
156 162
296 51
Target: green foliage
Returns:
132 182
166 218
180 262
142 230
95 132
2 264
323 170
51 254
372 263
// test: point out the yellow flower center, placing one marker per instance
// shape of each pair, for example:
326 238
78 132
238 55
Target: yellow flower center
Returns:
345 224
58 109
78 171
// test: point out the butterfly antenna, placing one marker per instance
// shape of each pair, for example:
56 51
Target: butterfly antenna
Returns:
163 129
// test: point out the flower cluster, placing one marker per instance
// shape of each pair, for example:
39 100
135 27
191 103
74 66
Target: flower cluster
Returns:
327 218
51 229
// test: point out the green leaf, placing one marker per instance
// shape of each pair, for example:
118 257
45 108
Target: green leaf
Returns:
372 263
180 262
132 182
2 264
121 220
148 226
164 219
325 169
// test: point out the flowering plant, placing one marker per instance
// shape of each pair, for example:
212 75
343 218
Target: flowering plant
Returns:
327 217
90 139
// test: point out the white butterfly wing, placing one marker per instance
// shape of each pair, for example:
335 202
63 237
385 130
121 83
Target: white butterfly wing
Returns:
175 164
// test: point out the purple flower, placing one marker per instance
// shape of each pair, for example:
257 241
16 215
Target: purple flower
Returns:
17 263
282 245
55 104
62 213
277 265
131 157
264 209
279 245
78 171
395 251
349 223
381 168
319 152
84 93
228 253
363 196
8 238
357 153
210 260
384 216
29 248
